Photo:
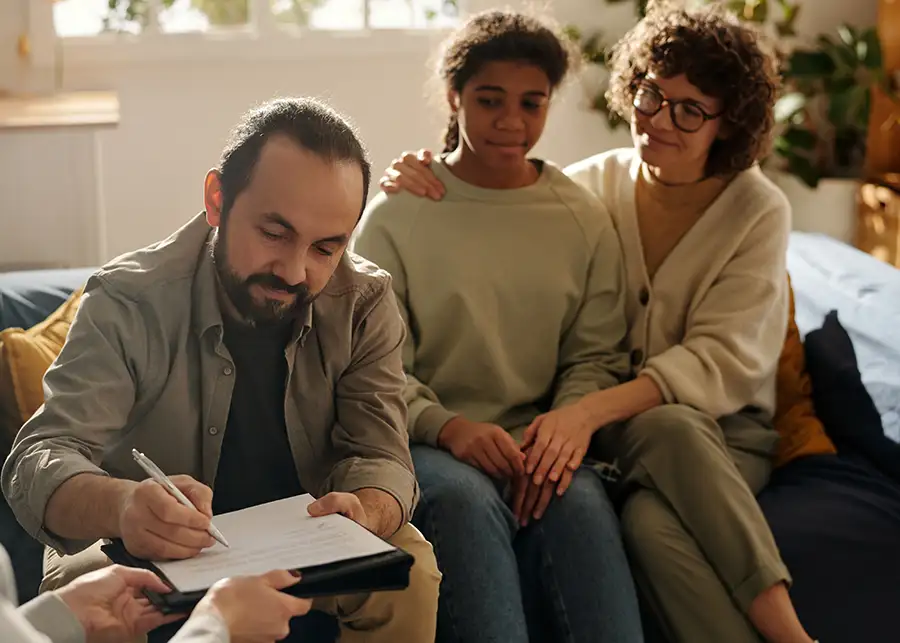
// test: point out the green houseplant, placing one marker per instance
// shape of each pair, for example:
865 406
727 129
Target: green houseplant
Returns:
825 110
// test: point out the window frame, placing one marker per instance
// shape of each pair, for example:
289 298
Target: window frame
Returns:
262 39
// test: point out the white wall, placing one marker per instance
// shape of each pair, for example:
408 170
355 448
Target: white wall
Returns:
12 23
176 114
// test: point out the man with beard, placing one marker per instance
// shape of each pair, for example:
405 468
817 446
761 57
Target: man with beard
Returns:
249 354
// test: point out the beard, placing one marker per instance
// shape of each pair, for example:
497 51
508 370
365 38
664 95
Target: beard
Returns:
238 291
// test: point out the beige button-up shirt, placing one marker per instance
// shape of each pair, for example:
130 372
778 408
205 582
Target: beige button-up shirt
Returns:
144 366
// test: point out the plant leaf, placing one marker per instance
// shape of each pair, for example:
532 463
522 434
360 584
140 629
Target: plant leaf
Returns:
810 64
789 106
803 169
573 33
799 138
600 104
789 13
858 108
838 107
847 35
872 57
844 56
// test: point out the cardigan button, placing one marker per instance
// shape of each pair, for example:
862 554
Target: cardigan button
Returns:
637 356
644 296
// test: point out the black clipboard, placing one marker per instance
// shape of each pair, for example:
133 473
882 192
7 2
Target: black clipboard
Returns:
387 571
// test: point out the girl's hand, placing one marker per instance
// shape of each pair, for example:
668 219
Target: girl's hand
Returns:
483 445
556 442
530 501
411 172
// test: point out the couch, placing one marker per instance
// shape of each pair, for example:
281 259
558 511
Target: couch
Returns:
836 518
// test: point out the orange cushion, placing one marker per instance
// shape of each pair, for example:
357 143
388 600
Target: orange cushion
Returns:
25 355
801 432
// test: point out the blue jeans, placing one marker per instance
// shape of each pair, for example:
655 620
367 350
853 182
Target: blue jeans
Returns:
564 578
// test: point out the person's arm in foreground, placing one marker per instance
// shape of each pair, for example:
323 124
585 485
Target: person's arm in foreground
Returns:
250 609
52 477
105 606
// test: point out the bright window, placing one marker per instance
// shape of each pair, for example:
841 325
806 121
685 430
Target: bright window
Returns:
93 17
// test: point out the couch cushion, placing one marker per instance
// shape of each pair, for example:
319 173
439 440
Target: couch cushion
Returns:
801 432
836 520
842 401
830 275
28 297
25 355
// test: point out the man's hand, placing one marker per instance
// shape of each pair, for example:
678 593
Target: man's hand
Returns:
485 446
346 504
253 608
154 525
109 605
557 442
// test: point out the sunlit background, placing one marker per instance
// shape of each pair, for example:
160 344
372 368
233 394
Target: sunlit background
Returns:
91 17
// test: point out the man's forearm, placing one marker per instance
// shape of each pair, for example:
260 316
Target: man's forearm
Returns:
382 510
87 507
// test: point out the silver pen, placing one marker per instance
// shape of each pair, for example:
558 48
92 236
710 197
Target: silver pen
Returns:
156 473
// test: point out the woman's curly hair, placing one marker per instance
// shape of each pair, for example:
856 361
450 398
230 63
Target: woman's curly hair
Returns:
721 56
499 35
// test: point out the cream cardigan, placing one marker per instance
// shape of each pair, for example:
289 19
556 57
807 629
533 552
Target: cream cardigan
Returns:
710 326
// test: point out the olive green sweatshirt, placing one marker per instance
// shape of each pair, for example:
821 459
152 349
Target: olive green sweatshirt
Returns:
514 299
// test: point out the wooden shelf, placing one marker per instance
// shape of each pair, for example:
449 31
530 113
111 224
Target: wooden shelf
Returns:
69 109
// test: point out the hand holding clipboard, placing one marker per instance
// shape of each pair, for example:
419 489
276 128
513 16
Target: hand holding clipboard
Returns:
334 555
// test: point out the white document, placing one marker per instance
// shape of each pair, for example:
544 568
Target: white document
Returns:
276 535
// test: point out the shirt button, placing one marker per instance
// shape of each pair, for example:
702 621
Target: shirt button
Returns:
213 430
644 296
637 356
227 370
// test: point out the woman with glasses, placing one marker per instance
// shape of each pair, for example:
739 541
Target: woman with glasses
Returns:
705 237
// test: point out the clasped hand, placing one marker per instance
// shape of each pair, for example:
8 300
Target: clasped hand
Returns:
554 445
542 466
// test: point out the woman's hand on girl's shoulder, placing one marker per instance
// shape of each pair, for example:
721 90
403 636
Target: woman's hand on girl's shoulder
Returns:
412 172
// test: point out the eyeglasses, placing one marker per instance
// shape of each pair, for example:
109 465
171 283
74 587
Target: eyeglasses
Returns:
686 114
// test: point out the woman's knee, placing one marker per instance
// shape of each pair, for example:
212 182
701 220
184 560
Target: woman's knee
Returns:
674 429
649 528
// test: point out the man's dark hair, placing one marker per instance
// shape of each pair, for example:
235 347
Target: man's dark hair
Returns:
722 57
311 124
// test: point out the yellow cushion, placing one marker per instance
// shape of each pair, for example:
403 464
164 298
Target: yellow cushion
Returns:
801 432
25 355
